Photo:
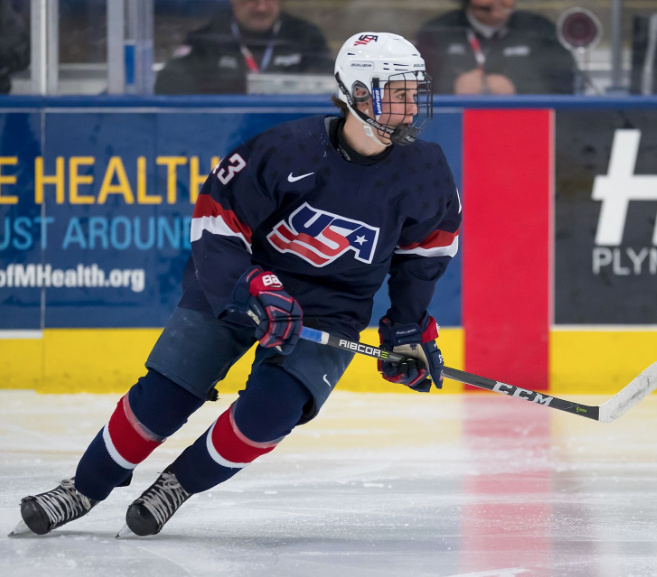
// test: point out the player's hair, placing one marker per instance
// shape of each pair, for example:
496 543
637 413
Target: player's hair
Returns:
344 109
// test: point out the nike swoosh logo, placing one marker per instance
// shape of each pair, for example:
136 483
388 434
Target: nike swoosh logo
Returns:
326 381
295 178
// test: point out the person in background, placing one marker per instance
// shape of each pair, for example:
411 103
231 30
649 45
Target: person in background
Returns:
246 36
488 47
14 45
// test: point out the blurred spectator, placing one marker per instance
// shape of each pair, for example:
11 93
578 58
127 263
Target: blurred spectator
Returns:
14 44
245 36
487 47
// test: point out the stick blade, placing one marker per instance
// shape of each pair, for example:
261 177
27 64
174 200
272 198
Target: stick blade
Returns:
638 389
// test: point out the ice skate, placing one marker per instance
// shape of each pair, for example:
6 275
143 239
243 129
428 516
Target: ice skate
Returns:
157 504
47 511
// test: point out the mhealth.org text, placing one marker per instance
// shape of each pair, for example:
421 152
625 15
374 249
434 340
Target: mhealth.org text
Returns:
82 276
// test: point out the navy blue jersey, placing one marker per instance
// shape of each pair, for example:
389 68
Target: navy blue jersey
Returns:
330 229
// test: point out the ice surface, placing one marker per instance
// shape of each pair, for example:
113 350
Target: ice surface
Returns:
378 485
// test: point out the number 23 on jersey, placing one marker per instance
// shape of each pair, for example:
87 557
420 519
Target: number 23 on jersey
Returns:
226 174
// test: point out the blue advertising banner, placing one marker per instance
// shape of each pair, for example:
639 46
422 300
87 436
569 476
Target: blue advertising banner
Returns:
23 223
95 209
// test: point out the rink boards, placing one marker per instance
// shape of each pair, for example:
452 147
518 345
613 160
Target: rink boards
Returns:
553 288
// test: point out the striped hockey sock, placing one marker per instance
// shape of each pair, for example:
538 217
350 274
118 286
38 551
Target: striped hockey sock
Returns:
151 411
217 455
254 425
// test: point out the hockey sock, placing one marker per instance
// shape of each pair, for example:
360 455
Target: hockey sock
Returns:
151 411
266 411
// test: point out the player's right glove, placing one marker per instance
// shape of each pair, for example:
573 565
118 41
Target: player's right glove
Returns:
419 342
277 316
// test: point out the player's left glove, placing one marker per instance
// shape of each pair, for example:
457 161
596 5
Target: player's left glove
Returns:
419 342
276 314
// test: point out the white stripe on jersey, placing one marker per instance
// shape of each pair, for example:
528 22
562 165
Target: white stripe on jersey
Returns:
215 225
450 250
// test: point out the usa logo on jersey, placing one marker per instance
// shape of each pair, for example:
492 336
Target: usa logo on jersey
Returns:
320 237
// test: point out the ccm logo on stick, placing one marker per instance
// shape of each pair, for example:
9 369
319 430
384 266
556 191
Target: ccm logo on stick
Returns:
360 348
522 394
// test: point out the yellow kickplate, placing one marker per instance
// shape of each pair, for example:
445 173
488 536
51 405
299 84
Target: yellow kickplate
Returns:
598 362
111 361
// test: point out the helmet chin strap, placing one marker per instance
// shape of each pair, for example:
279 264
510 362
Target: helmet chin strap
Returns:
367 128
362 118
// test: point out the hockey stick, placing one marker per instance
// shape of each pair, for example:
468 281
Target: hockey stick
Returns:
614 408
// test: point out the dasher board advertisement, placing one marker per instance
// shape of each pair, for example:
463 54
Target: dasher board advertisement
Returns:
96 206
605 218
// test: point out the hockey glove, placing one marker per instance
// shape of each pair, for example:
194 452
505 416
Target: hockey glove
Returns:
276 314
419 342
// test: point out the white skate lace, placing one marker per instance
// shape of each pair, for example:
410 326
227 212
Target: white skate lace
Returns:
164 498
64 502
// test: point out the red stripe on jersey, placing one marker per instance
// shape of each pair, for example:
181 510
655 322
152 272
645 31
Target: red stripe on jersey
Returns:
232 445
300 249
328 233
436 239
322 247
314 243
129 438
507 186
207 206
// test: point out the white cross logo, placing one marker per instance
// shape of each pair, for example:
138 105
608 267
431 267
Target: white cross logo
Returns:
619 186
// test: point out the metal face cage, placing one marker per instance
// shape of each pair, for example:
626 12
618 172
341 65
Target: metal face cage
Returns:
417 89
417 92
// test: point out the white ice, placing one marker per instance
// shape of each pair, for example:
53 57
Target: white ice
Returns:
378 485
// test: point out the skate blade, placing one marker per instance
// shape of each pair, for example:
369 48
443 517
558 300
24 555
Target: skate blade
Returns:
20 529
123 532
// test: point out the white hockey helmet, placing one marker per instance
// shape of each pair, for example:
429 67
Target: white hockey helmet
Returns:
365 64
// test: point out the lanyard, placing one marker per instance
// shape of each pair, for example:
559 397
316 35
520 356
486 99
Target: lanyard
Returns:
476 48
480 58
248 55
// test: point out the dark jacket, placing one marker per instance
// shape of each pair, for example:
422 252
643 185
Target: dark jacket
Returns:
210 61
529 53
14 44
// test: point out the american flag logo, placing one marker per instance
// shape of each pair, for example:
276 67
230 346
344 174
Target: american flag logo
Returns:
320 237
366 39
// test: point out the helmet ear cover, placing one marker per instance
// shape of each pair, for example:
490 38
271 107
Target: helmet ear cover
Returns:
355 87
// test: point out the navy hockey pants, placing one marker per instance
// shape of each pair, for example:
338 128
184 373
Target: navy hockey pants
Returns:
196 351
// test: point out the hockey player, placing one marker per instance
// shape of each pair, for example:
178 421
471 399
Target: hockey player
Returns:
300 224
